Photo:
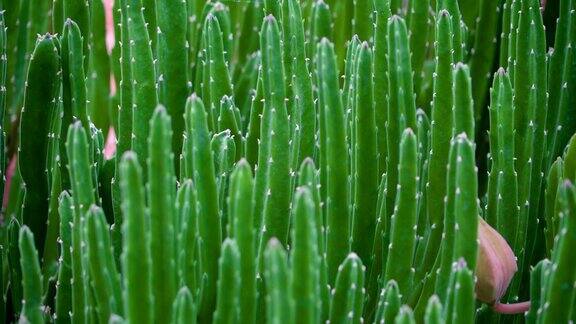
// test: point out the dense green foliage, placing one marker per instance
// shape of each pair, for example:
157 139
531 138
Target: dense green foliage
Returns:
288 161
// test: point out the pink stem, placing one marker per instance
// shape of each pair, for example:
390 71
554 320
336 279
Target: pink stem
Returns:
517 308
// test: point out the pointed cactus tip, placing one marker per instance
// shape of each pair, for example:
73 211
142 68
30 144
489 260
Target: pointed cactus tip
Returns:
460 66
444 13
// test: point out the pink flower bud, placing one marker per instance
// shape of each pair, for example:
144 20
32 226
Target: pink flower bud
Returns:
496 264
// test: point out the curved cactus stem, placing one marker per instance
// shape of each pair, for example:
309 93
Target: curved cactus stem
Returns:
278 296
466 203
503 183
560 285
440 136
252 150
143 80
446 254
560 124
483 56
273 163
64 296
365 172
382 14
320 27
209 227
32 309
362 23
530 109
433 313
172 55
463 120
337 193
405 316
537 285
460 306
308 177
184 310
216 78
403 223
136 259
15 276
105 279
553 182
124 130
228 284
458 39
240 204
161 196
418 25
348 294
78 11
303 114
41 93
401 101
228 121
388 304
305 259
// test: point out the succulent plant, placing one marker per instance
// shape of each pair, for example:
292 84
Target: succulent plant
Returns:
290 161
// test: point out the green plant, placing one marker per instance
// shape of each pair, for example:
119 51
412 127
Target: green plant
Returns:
294 161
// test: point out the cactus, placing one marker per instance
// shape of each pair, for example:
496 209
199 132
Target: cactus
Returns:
433 311
278 296
558 125
143 76
172 64
388 304
136 259
460 301
382 13
74 86
348 295
337 194
240 208
228 283
64 287
275 200
303 113
430 182
209 227
529 118
183 310
365 172
305 258
401 102
161 207
42 89
405 316
99 99
559 285
216 81
440 135
3 92
31 278
105 280
503 183
403 224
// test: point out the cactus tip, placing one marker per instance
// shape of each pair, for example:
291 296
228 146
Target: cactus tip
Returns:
460 66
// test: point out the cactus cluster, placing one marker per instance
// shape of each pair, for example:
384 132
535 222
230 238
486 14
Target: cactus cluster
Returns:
287 161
